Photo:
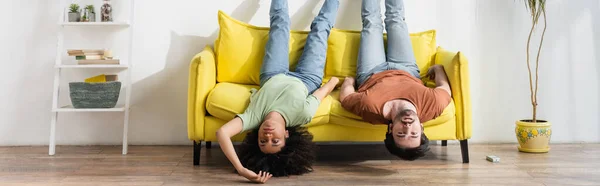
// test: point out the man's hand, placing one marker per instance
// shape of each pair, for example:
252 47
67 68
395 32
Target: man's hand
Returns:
349 81
431 72
261 177
347 88
437 74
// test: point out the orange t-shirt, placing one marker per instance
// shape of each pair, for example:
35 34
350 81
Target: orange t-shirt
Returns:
389 85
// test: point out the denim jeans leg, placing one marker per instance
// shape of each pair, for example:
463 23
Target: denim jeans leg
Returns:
276 60
371 53
400 54
312 61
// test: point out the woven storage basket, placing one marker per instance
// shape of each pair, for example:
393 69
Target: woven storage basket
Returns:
94 95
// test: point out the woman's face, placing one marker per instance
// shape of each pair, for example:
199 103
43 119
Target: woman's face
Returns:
271 136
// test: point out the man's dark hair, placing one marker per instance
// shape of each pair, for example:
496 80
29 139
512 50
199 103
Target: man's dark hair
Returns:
407 153
295 158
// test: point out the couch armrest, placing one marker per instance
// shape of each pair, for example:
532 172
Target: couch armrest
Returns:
202 79
457 68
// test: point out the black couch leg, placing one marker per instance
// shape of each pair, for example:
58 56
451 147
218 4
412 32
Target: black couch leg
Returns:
444 143
197 147
464 150
208 144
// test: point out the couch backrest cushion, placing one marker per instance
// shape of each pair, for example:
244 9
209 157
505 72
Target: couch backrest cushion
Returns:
342 51
240 48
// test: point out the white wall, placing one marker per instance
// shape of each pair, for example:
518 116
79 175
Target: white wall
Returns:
492 34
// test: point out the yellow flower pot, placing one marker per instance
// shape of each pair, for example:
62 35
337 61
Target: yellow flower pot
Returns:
533 137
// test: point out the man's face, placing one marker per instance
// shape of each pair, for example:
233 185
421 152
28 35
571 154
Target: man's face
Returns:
406 129
271 136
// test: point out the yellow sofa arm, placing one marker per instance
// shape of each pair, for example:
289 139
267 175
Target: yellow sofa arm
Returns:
202 79
457 68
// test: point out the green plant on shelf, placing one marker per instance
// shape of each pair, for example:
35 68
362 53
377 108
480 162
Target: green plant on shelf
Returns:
90 8
74 8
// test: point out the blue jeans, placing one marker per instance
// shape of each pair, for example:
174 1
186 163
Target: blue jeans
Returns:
312 62
372 58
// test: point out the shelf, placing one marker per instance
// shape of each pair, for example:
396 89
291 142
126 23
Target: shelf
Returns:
93 66
69 108
94 24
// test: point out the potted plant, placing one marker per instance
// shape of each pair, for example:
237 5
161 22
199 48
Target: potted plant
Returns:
74 13
534 134
91 13
84 18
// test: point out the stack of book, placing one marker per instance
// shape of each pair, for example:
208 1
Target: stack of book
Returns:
93 57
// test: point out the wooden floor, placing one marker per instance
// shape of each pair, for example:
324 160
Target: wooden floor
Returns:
570 164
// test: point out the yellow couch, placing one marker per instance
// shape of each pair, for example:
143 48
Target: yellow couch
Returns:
220 80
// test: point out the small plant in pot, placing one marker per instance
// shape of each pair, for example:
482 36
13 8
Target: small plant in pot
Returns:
74 13
91 13
534 134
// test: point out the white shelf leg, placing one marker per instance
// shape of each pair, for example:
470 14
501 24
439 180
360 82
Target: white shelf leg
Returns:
52 146
129 80
56 91
125 130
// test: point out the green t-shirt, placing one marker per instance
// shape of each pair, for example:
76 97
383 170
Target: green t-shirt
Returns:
283 94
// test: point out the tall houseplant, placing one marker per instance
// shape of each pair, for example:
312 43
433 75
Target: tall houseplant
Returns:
534 134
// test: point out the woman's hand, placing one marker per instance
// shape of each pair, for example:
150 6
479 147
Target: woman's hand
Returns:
322 92
261 177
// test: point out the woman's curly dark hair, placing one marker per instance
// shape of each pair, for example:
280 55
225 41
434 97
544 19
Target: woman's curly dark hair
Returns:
295 158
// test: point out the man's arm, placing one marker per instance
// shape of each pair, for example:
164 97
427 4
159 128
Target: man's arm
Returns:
322 92
224 135
347 88
437 73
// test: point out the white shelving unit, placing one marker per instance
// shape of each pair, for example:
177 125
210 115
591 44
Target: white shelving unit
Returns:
94 24
60 66
93 66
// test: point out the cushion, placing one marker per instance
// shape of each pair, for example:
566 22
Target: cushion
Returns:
342 51
228 99
240 49
456 67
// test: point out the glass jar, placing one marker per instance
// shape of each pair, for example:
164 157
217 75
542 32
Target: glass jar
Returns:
106 12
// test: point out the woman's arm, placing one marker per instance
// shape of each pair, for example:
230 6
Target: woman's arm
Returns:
224 135
322 92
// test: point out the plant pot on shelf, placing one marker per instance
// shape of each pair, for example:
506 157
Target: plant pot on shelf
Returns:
92 17
533 137
74 16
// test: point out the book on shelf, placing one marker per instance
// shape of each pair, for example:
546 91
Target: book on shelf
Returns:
85 52
87 57
98 62
102 78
